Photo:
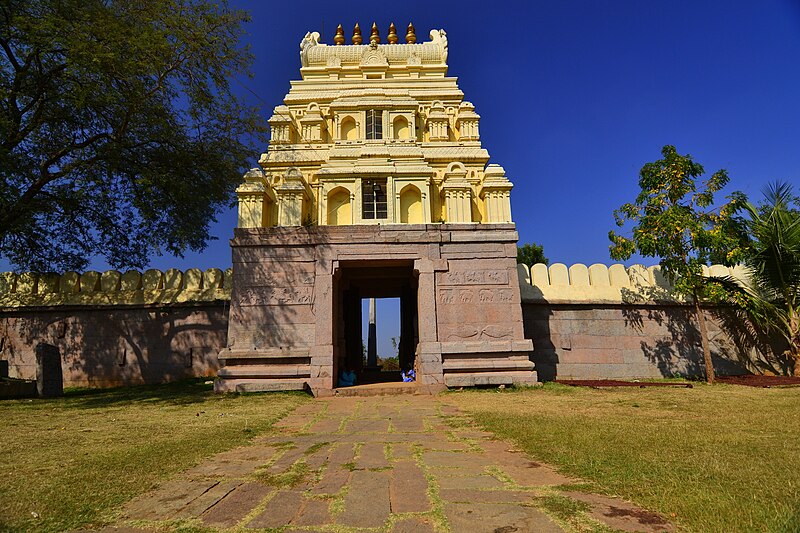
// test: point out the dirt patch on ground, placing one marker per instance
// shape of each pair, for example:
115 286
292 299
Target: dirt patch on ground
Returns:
751 380
600 383
748 380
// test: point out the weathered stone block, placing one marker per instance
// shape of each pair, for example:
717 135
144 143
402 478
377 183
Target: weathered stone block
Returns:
193 279
559 275
640 277
109 281
598 276
8 282
618 276
173 279
26 283
131 281
228 280
49 377
90 281
152 280
70 282
213 278
578 275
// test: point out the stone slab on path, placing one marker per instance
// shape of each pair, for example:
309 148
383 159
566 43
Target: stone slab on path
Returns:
387 464
367 500
236 505
493 517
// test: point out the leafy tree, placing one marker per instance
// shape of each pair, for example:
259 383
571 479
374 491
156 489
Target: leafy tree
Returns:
119 132
530 254
674 219
772 258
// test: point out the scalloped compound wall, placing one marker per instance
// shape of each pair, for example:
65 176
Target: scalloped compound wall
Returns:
111 287
116 328
601 322
599 283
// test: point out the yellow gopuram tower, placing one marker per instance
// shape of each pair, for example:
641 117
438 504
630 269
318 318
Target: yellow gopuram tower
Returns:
374 134
374 185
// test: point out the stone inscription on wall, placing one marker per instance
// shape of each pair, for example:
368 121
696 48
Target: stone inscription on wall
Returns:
466 296
474 277
259 278
254 296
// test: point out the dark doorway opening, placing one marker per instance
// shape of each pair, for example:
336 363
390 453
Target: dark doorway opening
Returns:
357 281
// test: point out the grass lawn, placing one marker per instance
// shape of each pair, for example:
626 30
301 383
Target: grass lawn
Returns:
716 458
73 461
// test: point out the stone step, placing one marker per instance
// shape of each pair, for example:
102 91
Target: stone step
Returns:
486 365
265 371
258 385
265 353
472 379
387 389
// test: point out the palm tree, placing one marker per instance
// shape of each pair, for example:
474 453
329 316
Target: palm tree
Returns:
772 256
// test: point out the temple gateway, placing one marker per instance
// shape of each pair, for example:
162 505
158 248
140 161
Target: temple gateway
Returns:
374 185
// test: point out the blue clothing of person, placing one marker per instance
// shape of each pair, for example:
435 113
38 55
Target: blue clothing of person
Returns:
409 376
347 378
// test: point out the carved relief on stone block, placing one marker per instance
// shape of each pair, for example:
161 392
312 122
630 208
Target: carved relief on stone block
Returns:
506 295
474 332
482 295
255 296
446 296
474 277
261 278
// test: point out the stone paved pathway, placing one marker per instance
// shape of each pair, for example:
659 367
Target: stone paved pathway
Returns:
389 464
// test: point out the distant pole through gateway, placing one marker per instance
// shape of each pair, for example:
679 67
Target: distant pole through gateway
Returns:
372 348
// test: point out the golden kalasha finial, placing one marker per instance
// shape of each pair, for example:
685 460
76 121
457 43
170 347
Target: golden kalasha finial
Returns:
392 37
357 35
339 37
411 36
374 37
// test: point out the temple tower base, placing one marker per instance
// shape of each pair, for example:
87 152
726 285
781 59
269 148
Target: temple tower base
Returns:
295 305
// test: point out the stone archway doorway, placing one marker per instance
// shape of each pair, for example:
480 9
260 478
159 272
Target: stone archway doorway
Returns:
358 280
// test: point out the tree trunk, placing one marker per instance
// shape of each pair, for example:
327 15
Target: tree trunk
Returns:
701 320
794 341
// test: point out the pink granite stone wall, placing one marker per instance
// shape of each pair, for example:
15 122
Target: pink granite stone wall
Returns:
118 345
108 345
608 341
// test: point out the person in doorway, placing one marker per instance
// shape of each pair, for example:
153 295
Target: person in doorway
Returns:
408 374
347 378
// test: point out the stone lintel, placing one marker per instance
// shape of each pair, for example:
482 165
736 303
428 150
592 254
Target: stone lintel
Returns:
377 233
523 346
265 353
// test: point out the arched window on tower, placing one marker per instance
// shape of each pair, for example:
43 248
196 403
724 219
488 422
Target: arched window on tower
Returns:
349 130
400 128
339 210
411 205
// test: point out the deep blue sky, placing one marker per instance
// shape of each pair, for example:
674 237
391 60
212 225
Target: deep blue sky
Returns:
576 95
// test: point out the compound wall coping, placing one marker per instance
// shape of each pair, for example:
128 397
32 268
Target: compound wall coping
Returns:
606 284
113 288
